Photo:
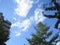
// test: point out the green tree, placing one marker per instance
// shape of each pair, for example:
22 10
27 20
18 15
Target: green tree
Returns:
42 34
39 38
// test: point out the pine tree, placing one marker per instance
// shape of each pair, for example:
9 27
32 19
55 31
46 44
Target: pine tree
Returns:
41 35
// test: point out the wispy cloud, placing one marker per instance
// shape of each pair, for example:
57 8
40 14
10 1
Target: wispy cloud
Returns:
38 16
22 25
17 33
23 6
14 18
25 24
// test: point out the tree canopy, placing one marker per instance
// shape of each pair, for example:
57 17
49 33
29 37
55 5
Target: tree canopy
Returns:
39 38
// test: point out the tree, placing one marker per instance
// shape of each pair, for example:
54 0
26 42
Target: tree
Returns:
41 35
55 6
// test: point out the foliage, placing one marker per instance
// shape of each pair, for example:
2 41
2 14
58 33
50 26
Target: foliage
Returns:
41 35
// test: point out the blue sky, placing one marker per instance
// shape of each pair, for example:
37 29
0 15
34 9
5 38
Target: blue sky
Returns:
23 14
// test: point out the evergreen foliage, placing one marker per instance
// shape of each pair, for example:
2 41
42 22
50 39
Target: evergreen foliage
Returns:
39 38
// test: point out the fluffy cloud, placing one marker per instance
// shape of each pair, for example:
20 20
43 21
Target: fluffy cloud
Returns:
38 16
25 24
22 25
23 6
58 43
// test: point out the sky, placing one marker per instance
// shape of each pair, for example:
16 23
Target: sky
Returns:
24 15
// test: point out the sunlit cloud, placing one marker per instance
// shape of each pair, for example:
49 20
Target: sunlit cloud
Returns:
23 6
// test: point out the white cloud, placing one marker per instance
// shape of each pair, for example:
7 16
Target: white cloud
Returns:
23 6
58 43
24 25
38 16
17 33
14 18
16 24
